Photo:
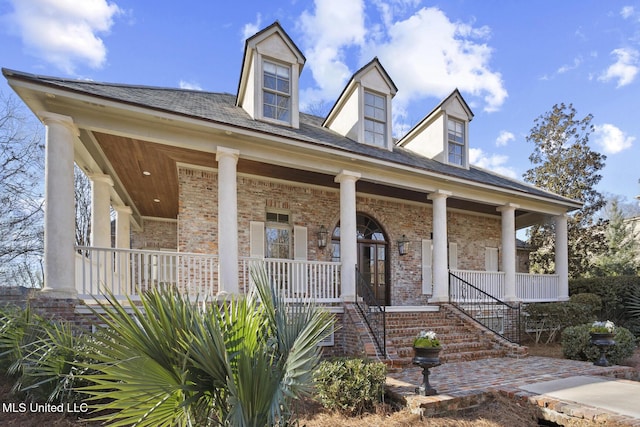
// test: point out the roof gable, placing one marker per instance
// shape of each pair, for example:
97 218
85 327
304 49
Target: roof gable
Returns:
272 41
372 75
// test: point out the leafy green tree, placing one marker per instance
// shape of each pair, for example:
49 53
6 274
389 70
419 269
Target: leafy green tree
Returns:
563 163
235 363
620 256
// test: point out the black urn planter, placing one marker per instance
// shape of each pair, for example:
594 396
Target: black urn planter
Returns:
426 358
603 341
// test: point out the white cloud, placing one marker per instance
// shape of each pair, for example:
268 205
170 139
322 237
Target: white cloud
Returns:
627 12
332 27
429 55
251 28
64 32
577 61
504 138
493 162
611 139
426 54
625 69
190 85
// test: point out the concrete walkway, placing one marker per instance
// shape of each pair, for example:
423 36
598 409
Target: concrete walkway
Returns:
562 389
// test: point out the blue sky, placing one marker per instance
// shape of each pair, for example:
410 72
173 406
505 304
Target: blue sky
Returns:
511 60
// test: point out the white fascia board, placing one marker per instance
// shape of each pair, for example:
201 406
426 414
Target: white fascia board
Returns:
200 139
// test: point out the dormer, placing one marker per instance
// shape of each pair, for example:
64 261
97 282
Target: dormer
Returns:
443 135
271 67
363 110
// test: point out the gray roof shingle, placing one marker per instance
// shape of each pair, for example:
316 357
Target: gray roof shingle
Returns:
221 108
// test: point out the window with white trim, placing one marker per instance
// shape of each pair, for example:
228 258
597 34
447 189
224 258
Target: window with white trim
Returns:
278 235
276 91
375 119
455 139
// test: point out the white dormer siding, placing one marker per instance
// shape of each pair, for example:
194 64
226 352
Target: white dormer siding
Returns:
268 88
443 135
363 110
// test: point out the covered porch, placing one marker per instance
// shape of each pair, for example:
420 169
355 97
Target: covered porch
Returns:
219 200
128 272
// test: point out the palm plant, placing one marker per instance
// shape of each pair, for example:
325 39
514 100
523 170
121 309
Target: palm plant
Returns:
240 362
50 368
633 304
40 355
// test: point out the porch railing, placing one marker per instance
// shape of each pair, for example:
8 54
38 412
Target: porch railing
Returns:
127 272
318 281
374 314
537 287
529 287
496 315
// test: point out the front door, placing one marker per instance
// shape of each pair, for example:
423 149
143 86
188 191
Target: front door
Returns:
373 260
372 264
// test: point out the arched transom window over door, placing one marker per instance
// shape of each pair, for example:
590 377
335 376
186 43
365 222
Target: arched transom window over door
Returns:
373 255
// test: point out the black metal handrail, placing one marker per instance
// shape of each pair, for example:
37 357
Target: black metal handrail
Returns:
491 312
373 313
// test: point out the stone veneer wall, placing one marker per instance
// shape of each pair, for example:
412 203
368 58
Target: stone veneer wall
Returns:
312 206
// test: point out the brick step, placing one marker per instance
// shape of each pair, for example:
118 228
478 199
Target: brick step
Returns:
452 336
440 331
402 361
449 349
461 338
466 356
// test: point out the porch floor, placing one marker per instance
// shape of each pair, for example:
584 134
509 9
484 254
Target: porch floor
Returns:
467 384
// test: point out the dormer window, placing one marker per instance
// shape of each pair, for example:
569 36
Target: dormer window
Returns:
362 113
276 92
268 87
375 118
455 139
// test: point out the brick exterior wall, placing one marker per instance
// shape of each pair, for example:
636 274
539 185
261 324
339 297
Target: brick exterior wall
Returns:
156 234
473 233
310 207
15 295
197 211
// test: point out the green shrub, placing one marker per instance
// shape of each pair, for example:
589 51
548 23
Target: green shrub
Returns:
351 386
548 319
576 345
616 293
592 301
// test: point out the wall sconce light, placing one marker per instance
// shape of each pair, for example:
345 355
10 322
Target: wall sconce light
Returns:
403 245
322 237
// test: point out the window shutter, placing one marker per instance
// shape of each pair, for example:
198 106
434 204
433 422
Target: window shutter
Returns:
300 243
427 269
491 259
256 239
453 256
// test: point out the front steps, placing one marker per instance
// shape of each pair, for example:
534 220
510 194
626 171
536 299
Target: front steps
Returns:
461 338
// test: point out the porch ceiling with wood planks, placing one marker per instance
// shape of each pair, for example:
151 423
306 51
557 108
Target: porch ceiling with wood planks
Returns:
148 172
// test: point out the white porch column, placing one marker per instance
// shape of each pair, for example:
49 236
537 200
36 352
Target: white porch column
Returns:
509 250
439 256
123 241
123 227
562 256
348 233
59 212
100 210
227 159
